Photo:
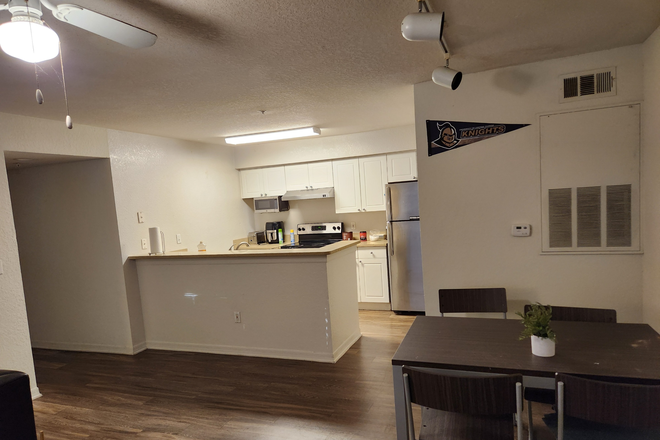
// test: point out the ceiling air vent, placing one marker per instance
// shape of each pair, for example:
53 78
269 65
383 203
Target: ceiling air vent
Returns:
586 85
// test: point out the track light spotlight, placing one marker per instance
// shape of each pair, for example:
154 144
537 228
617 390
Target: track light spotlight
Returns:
423 26
446 77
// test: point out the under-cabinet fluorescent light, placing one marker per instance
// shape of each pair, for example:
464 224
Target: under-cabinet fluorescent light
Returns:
274 136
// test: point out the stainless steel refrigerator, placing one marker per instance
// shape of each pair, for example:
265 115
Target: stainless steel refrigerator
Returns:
404 247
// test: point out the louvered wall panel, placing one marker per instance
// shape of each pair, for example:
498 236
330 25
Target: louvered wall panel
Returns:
588 216
560 225
619 222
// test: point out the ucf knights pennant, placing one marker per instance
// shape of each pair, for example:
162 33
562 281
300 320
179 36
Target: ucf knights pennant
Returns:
450 135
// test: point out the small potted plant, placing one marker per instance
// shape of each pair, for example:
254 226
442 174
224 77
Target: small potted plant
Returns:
537 326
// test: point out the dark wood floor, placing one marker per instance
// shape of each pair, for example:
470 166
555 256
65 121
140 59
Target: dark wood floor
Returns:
174 395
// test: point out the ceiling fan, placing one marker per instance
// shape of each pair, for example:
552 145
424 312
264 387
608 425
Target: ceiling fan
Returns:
29 38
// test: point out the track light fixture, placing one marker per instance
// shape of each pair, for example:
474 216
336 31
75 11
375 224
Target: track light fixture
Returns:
446 77
429 26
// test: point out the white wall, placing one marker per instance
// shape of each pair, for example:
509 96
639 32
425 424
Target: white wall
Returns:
388 140
66 226
470 197
320 210
183 187
18 133
651 180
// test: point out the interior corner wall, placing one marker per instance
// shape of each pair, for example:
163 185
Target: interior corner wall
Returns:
66 226
470 197
19 133
651 180
388 140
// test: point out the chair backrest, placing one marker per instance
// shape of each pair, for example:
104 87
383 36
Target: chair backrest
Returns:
621 404
482 300
583 314
16 413
472 395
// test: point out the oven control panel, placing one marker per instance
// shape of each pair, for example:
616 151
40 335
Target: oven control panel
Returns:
320 228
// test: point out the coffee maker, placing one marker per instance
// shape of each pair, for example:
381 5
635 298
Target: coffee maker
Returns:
271 231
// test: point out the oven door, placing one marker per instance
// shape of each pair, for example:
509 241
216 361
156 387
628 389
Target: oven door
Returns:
267 204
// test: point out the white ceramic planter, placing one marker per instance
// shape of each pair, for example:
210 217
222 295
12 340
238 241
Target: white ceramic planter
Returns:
543 347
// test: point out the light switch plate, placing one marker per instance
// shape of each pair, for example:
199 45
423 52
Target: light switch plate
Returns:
521 230
178 238
140 217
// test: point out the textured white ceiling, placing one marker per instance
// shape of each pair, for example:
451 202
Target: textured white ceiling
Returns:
341 65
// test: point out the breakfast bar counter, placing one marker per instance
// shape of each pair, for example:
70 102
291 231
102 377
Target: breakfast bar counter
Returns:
280 303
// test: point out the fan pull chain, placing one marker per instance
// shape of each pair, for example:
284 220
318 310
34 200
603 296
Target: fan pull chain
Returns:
39 95
69 122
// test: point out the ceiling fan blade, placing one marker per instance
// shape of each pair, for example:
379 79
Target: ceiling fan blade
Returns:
107 27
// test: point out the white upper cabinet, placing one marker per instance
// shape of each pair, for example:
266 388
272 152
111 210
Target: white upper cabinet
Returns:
373 177
402 167
252 184
346 175
360 184
297 177
320 175
308 175
262 182
274 181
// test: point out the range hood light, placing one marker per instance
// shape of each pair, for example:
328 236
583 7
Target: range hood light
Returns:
273 136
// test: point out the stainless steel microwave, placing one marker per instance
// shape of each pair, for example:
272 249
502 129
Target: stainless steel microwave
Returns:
270 204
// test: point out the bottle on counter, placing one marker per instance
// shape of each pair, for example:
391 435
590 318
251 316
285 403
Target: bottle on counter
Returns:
201 247
279 236
293 237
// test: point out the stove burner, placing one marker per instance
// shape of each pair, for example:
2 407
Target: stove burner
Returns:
309 244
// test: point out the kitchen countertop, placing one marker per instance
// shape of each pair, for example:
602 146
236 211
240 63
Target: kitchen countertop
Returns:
377 243
262 250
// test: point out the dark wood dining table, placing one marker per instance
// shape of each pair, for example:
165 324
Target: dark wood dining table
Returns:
468 346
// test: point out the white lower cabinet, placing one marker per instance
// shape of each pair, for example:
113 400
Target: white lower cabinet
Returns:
373 283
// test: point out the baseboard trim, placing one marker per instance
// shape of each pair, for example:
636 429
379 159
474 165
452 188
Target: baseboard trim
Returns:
300 355
348 343
138 348
35 393
76 346
374 306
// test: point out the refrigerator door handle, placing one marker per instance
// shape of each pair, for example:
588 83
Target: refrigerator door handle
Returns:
388 203
390 240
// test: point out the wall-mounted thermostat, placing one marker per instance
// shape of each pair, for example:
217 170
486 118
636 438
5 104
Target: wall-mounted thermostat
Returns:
521 230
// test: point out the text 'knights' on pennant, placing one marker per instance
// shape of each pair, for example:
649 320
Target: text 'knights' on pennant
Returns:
449 135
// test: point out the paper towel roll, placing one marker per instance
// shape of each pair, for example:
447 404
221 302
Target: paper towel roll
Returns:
155 241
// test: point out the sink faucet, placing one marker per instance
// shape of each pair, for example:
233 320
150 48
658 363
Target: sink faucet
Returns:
239 245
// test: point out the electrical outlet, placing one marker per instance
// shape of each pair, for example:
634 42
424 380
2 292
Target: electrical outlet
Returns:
178 238
352 226
237 317
140 217
144 243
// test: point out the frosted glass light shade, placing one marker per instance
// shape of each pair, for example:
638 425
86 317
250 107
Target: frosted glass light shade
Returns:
32 45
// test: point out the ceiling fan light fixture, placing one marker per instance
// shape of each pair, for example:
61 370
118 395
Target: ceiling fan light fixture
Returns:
274 135
26 38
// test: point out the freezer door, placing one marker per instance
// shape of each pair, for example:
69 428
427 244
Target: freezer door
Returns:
402 201
405 261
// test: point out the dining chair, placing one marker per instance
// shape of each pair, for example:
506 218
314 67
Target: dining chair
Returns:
463 407
582 314
604 410
561 313
481 300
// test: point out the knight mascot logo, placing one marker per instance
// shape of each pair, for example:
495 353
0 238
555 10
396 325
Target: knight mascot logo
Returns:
449 135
